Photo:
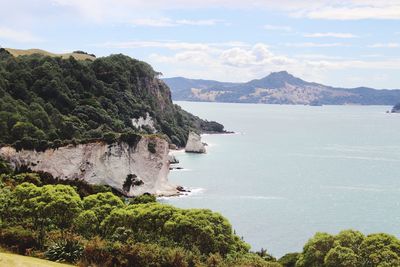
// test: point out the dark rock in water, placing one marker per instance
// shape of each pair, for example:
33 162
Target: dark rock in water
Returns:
172 159
396 108
175 168
182 189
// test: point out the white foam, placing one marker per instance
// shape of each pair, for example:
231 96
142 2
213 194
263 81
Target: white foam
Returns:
345 157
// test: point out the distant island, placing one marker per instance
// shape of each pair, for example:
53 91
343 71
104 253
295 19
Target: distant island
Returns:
277 88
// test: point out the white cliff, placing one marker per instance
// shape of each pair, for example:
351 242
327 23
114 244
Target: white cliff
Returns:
194 144
144 122
100 163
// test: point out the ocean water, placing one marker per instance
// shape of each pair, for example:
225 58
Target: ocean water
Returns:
291 171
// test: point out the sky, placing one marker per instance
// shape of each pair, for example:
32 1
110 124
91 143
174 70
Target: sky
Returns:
340 43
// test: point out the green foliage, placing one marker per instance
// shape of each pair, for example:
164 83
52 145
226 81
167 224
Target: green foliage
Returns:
87 224
198 229
131 180
143 199
380 250
131 138
315 250
102 204
351 249
289 259
65 250
48 99
341 257
5 168
151 146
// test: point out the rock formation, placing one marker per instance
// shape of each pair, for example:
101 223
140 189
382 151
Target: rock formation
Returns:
116 165
194 144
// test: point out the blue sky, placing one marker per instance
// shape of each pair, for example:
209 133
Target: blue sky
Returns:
341 43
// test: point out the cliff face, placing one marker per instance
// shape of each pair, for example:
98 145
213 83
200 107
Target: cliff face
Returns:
131 170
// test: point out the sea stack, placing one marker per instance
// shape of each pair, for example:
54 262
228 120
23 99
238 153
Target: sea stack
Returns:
194 144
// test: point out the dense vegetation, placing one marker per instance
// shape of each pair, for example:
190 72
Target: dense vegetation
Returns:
91 226
98 228
49 101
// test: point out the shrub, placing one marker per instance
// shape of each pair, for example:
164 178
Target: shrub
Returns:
143 199
289 259
65 250
96 252
18 239
151 146
131 180
131 138
110 137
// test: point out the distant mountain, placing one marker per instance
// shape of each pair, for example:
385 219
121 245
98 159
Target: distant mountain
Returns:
277 88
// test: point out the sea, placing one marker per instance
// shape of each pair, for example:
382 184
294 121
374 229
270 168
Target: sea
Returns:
290 171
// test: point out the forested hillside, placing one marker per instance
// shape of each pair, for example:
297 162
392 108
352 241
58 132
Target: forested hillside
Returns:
49 101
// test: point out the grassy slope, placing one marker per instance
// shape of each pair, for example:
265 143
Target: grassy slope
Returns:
21 52
13 260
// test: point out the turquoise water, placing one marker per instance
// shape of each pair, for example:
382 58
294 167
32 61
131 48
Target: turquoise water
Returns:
291 171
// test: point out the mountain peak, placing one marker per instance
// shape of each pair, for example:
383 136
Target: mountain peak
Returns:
277 80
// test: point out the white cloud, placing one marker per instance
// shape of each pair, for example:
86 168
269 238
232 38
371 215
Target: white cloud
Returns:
385 45
17 36
167 22
161 22
205 22
330 34
172 45
354 10
322 9
277 28
310 44
248 62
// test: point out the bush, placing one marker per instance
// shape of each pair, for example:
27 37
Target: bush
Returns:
65 250
143 199
289 260
110 137
96 252
151 146
131 138
18 239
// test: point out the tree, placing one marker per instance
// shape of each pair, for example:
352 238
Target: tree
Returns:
87 223
315 250
102 204
341 257
380 250
47 206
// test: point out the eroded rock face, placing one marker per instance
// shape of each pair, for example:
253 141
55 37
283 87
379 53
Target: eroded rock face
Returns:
194 144
144 122
100 163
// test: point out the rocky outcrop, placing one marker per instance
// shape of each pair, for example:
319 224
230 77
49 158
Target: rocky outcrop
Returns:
172 159
144 122
131 170
194 144
396 108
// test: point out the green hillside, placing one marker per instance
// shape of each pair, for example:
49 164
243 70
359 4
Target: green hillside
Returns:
78 55
48 101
